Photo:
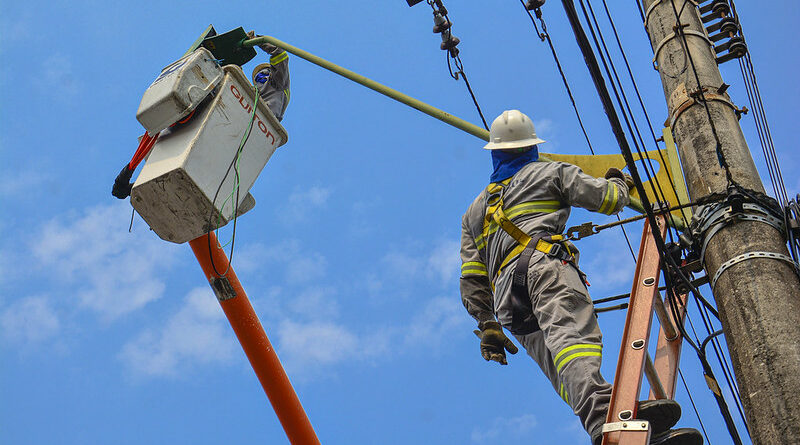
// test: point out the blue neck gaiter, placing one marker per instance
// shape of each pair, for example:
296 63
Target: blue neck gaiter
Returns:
507 164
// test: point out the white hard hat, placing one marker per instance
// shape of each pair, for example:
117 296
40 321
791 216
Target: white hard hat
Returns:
512 129
258 69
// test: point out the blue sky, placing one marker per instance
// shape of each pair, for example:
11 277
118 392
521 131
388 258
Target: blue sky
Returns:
350 256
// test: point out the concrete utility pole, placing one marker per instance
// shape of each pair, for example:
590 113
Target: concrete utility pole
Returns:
759 298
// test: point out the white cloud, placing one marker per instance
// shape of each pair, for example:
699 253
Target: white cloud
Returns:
506 428
315 303
196 334
19 183
31 319
445 261
306 347
435 323
302 202
302 265
112 272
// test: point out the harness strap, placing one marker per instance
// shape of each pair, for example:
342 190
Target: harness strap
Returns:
523 321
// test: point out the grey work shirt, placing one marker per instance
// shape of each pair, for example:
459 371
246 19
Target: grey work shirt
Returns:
275 91
537 198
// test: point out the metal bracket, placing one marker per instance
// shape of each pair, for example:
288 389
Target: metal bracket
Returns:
655 4
222 288
682 100
674 34
749 256
725 215
630 425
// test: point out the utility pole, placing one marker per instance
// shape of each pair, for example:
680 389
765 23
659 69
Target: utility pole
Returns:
758 298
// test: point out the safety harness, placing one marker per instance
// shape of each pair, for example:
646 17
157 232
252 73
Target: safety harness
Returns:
522 319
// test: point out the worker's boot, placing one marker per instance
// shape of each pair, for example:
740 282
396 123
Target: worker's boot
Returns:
679 436
662 414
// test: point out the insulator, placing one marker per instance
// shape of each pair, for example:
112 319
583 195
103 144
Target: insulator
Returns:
440 24
534 4
729 26
449 42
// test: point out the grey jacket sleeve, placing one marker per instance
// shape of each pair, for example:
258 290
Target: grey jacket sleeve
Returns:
476 292
607 196
280 70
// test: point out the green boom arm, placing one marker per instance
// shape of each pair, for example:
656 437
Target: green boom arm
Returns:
442 115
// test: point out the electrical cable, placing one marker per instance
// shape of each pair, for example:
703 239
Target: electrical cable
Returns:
694 407
234 164
644 109
449 43
545 36
720 154
621 98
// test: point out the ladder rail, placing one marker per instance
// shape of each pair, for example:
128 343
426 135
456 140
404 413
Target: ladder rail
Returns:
633 352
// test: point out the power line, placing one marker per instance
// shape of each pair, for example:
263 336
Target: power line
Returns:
545 36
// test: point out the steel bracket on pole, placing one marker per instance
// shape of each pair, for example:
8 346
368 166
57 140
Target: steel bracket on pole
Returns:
749 256
674 34
655 4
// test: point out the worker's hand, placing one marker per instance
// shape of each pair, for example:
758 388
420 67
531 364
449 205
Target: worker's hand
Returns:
266 47
617 173
494 342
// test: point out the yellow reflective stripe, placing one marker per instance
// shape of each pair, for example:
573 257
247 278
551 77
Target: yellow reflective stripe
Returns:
473 268
569 358
278 58
563 393
610 200
288 96
533 207
574 347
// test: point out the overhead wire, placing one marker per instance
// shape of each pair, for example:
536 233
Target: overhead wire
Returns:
644 109
616 126
449 43
544 35
762 124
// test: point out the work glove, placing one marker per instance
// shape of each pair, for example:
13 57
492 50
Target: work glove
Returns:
617 173
494 342
266 47
122 185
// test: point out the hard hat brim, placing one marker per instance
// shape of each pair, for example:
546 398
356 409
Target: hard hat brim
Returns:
513 144
259 68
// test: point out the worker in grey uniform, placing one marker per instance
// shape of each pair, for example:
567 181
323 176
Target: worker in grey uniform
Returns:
519 273
272 79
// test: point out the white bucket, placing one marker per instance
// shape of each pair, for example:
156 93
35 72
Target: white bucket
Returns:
186 167
179 88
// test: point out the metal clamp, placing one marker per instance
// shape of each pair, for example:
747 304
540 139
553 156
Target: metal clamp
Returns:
631 425
687 100
749 256
675 34
723 215
655 4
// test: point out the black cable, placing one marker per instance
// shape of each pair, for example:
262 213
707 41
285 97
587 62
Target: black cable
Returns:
452 52
694 407
644 109
545 36
720 154
622 100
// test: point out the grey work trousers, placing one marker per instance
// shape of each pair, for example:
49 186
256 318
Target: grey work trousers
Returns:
568 348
